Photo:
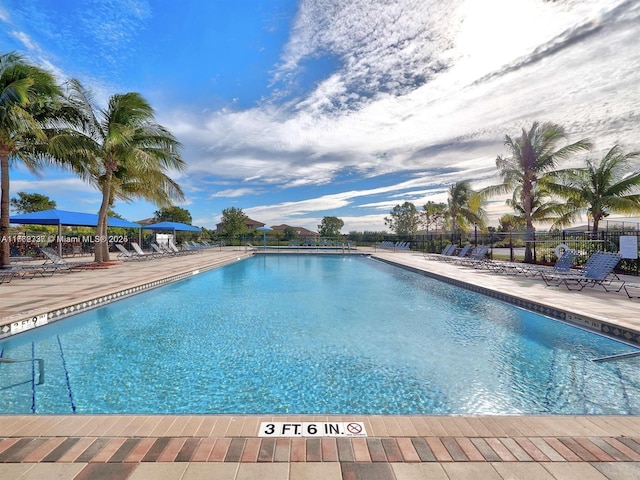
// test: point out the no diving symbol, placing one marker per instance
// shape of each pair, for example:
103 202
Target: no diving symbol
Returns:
354 428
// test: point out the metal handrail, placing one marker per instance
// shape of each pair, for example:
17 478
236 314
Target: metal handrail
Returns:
619 356
31 360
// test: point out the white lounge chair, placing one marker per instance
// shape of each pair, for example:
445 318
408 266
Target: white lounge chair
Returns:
127 255
141 252
59 264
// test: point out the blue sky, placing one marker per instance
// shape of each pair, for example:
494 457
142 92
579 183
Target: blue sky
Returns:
296 110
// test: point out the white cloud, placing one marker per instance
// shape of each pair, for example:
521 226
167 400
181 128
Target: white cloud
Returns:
574 63
4 15
421 88
233 193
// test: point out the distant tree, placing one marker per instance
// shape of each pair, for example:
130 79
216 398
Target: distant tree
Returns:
543 209
290 233
330 227
464 207
173 214
433 215
510 223
234 222
600 188
32 202
404 219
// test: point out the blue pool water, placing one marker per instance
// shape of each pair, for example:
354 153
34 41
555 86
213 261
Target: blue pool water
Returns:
315 334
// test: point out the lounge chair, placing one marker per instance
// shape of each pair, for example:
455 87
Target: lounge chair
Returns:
476 259
597 271
6 276
177 251
463 252
191 247
142 253
127 255
562 265
160 252
58 264
8 272
446 252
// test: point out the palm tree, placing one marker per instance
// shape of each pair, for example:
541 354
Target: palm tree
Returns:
126 152
543 210
464 207
532 155
28 98
600 188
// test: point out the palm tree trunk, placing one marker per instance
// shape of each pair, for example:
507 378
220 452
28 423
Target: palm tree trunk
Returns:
4 210
102 246
527 204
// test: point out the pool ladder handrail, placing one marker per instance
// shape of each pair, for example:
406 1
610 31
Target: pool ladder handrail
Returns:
619 356
31 360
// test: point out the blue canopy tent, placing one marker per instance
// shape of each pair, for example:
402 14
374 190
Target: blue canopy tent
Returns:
172 227
64 217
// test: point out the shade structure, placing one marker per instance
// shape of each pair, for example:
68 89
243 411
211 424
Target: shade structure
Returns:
264 231
175 226
64 217
67 218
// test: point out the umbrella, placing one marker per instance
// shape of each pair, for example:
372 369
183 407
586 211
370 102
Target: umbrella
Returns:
64 217
264 231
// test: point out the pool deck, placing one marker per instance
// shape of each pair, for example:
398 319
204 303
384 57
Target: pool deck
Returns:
190 447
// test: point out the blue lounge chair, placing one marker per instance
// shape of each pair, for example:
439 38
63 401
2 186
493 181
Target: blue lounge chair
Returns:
477 258
562 265
446 252
597 271
464 251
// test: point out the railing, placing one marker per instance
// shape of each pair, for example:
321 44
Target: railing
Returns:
40 363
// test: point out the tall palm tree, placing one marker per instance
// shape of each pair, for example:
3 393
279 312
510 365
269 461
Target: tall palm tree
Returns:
600 188
464 207
28 98
532 155
128 154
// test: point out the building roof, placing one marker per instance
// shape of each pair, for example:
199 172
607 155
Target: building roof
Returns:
299 230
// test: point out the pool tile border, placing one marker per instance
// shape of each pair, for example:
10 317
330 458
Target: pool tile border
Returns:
595 325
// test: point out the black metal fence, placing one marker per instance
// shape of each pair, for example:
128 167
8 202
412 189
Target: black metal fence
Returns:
545 245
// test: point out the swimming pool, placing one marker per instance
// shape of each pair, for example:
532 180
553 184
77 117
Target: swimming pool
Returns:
315 334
